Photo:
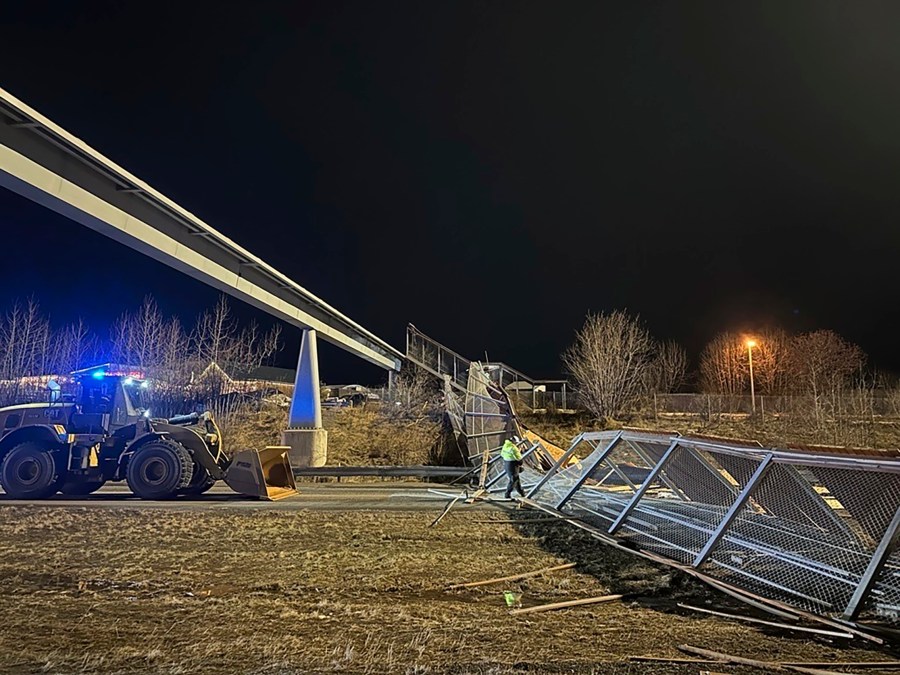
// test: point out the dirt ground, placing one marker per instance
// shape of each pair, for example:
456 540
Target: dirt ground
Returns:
228 590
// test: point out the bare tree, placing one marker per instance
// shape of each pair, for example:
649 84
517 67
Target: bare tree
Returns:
723 365
214 334
25 350
771 361
144 338
609 362
24 341
823 365
669 368
414 396
75 347
217 339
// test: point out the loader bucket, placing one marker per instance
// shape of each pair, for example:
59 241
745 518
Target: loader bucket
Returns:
266 474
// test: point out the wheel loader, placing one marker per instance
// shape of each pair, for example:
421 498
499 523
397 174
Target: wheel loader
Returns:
74 444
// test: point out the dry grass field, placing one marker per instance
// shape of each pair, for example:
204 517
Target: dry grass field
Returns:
356 436
560 428
154 590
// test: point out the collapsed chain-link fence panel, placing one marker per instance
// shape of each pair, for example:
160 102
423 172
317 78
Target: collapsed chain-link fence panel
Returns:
814 528
800 527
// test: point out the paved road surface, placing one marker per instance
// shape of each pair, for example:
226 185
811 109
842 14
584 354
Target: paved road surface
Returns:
393 496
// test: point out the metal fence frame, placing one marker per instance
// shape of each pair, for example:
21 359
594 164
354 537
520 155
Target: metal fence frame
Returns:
819 554
815 529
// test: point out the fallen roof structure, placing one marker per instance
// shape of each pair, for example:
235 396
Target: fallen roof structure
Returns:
808 531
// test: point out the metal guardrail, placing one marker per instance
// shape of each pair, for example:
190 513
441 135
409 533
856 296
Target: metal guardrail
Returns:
414 471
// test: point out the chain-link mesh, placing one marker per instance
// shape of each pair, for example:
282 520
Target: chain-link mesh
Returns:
679 519
578 459
487 422
884 600
794 526
798 543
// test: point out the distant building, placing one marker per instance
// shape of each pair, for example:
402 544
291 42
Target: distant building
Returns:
344 389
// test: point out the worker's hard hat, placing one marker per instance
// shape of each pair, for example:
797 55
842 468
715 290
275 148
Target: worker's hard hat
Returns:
516 439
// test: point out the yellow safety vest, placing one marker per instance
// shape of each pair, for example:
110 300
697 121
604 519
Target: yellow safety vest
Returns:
510 451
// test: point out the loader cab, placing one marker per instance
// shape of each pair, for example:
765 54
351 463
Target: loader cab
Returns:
109 399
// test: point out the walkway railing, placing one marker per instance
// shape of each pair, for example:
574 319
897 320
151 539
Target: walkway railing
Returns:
439 360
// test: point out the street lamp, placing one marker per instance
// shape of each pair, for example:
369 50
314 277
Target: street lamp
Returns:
751 343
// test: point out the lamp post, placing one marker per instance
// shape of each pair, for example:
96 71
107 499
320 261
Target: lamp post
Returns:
751 343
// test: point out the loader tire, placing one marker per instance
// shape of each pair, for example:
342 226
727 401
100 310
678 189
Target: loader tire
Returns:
201 482
159 469
30 471
81 488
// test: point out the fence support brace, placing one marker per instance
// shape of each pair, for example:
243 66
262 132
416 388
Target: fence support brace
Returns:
617 523
870 576
556 466
588 471
733 512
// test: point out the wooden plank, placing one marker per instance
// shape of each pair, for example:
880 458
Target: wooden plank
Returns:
771 665
516 522
751 619
514 577
738 595
859 665
567 603
674 659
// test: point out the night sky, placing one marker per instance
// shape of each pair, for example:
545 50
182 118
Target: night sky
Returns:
489 171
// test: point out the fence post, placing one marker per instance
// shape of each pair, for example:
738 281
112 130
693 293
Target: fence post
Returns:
655 408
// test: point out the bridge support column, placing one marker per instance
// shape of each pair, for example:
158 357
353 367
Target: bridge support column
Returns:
305 436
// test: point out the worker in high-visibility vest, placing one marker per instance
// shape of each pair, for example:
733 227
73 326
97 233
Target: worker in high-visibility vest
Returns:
512 461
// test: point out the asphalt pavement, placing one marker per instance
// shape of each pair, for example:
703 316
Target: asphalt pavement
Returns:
380 496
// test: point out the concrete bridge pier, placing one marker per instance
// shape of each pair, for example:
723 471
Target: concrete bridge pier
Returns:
307 440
